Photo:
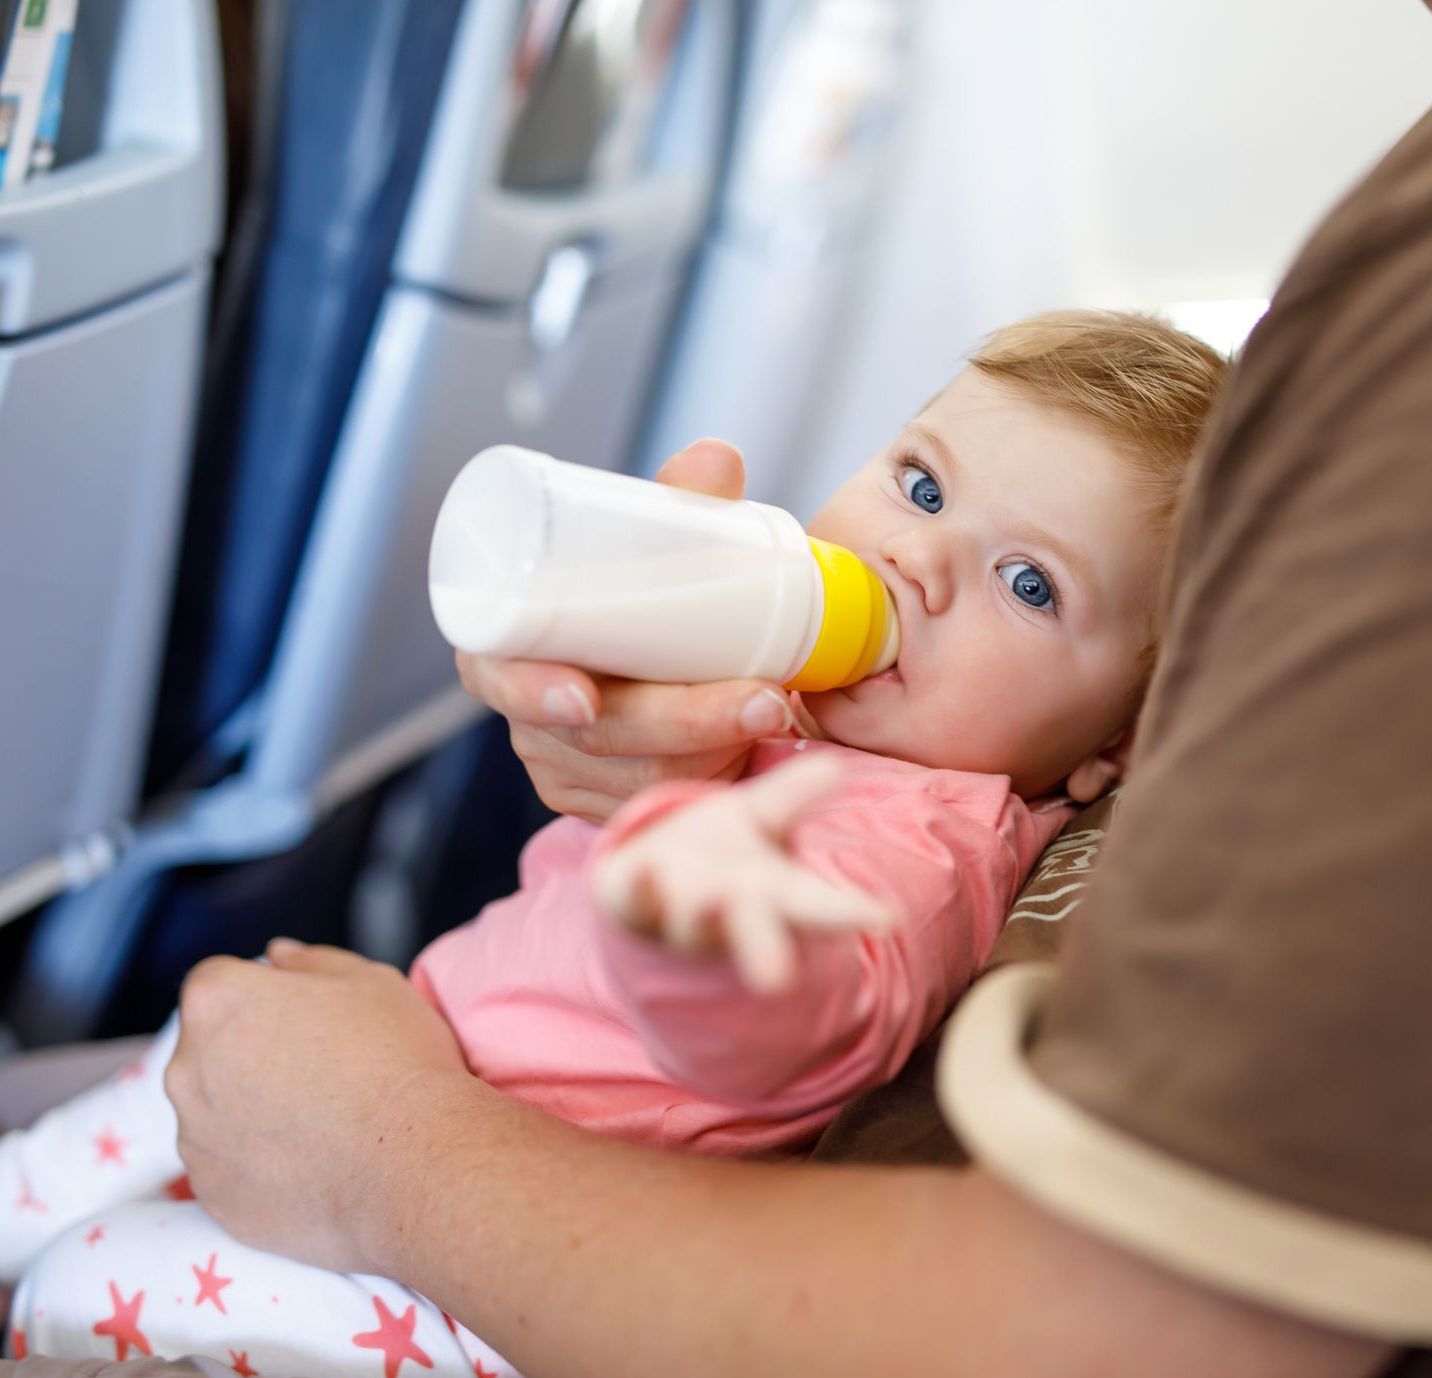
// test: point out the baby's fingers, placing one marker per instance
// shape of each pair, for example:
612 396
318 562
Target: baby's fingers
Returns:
779 797
655 903
814 902
627 891
760 945
758 931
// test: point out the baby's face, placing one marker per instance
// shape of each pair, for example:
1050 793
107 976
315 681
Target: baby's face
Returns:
1022 564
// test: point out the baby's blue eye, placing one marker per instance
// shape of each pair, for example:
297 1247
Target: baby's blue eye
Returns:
1028 583
921 489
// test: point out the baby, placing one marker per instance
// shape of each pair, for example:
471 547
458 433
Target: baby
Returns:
722 967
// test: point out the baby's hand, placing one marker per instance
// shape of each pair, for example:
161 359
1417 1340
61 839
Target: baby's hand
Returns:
717 874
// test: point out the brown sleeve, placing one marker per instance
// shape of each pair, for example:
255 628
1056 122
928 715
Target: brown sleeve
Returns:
1229 1073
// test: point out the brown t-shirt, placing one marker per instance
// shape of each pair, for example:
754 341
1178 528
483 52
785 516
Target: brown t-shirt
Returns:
1229 1071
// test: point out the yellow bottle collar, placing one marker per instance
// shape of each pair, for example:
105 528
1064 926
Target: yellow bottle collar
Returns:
855 624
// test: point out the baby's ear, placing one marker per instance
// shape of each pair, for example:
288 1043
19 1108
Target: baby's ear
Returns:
1101 771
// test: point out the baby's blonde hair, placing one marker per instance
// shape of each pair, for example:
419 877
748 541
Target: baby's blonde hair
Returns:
1141 382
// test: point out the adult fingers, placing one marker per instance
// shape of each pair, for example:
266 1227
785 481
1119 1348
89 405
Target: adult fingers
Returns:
611 717
641 719
288 954
708 466
596 806
213 988
570 780
213 992
531 691
588 805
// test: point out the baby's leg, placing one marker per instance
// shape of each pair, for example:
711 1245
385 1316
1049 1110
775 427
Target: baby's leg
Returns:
160 1277
113 1143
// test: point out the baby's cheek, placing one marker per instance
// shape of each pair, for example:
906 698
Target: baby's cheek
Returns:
990 725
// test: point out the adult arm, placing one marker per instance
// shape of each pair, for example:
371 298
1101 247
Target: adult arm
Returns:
372 1149
590 742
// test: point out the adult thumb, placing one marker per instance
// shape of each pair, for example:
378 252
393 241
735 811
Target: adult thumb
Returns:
707 466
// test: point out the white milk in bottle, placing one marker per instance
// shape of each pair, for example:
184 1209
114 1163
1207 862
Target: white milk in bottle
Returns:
538 559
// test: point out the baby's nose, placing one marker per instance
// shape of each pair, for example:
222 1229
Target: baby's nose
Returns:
924 563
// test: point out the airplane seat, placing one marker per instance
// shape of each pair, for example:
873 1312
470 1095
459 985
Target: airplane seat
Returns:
105 266
344 99
510 272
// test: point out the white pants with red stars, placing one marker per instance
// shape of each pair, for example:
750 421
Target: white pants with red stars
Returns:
107 1146
113 1262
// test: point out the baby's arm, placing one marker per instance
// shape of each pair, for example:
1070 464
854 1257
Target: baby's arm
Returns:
857 998
717 875
110 1144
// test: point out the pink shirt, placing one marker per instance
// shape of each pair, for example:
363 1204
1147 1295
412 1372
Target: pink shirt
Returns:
560 1007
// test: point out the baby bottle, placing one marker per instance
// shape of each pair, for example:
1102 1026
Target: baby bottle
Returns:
538 559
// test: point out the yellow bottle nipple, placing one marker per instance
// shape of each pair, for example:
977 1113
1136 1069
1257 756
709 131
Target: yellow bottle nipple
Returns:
859 632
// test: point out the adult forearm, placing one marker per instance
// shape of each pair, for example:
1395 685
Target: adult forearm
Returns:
372 1149
577 1256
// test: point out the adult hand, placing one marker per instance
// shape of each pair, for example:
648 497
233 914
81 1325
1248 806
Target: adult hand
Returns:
296 1085
590 742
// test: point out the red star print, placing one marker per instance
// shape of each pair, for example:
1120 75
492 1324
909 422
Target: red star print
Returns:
111 1147
210 1284
28 1200
240 1364
178 1189
17 1345
477 1368
94 1236
133 1071
394 1337
123 1326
